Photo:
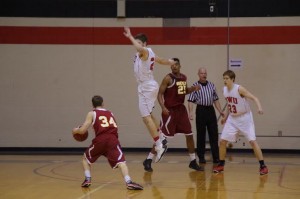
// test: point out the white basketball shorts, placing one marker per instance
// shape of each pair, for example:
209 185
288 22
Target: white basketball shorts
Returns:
147 92
239 124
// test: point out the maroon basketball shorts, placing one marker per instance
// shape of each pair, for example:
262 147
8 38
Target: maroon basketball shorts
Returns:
106 145
177 122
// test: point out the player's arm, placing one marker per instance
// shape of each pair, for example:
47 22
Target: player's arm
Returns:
162 88
84 127
192 89
142 50
223 120
218 107
245 93
164 61
191 109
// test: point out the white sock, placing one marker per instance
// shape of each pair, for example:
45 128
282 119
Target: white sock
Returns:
192 156
161 136
87 173
158 143
127 178
150 156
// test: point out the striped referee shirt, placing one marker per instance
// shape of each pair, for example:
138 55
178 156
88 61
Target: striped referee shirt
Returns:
205 96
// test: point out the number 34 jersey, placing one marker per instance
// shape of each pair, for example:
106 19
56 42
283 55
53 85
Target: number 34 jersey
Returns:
104 122
237 104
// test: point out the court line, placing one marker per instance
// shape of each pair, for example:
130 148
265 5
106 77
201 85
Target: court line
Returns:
86 195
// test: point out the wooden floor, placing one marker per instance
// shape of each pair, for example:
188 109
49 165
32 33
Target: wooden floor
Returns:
60 176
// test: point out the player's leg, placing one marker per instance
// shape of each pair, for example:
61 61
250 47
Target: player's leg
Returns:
222 152
258 153
87 172
161 135
148 161
91 154
147 97
248 129
159 147
183 125
228 135
129 183
190 144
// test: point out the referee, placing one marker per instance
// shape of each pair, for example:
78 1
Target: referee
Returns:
206 117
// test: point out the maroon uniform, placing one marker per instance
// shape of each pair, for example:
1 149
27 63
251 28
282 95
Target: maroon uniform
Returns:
106 141
177 121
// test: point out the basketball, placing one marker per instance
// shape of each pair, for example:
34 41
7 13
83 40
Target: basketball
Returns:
81 137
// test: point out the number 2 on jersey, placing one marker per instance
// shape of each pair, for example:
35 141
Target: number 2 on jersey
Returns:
181 89
105 122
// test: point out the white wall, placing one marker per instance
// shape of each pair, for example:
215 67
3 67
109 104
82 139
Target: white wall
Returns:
46 89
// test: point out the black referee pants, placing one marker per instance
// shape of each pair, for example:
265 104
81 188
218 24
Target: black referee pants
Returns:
206 119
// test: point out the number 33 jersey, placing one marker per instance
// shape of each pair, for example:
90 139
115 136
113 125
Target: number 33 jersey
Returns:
237 104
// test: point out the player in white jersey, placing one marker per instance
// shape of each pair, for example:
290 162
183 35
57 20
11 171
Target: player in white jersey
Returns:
144 62
238 119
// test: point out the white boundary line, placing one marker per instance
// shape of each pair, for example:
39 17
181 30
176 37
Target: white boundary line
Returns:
86 195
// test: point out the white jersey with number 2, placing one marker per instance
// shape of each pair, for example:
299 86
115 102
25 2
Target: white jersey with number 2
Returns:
143 70
147 86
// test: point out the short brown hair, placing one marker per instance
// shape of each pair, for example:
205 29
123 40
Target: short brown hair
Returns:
97 100
142 37
230 74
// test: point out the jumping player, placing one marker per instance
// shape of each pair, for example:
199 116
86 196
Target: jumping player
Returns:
105 143
238 118
144 62
174 117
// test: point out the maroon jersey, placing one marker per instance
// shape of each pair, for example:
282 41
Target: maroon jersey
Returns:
106 142
104 122
175 93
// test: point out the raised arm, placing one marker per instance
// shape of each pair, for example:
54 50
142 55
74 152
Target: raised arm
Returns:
164 61
142 50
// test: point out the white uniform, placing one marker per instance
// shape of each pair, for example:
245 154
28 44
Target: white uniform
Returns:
147 86
240 117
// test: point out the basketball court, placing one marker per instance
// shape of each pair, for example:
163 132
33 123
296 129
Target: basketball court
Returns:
60 177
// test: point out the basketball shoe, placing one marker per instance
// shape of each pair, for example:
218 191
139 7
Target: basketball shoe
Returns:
134 186
160 150
86 183
218 169
263 170
164 142
195 166
147 165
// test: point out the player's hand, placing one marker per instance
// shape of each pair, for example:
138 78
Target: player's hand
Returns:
223 120
222 114
75 130
127 32
165 111
260 111
172 62
196 88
